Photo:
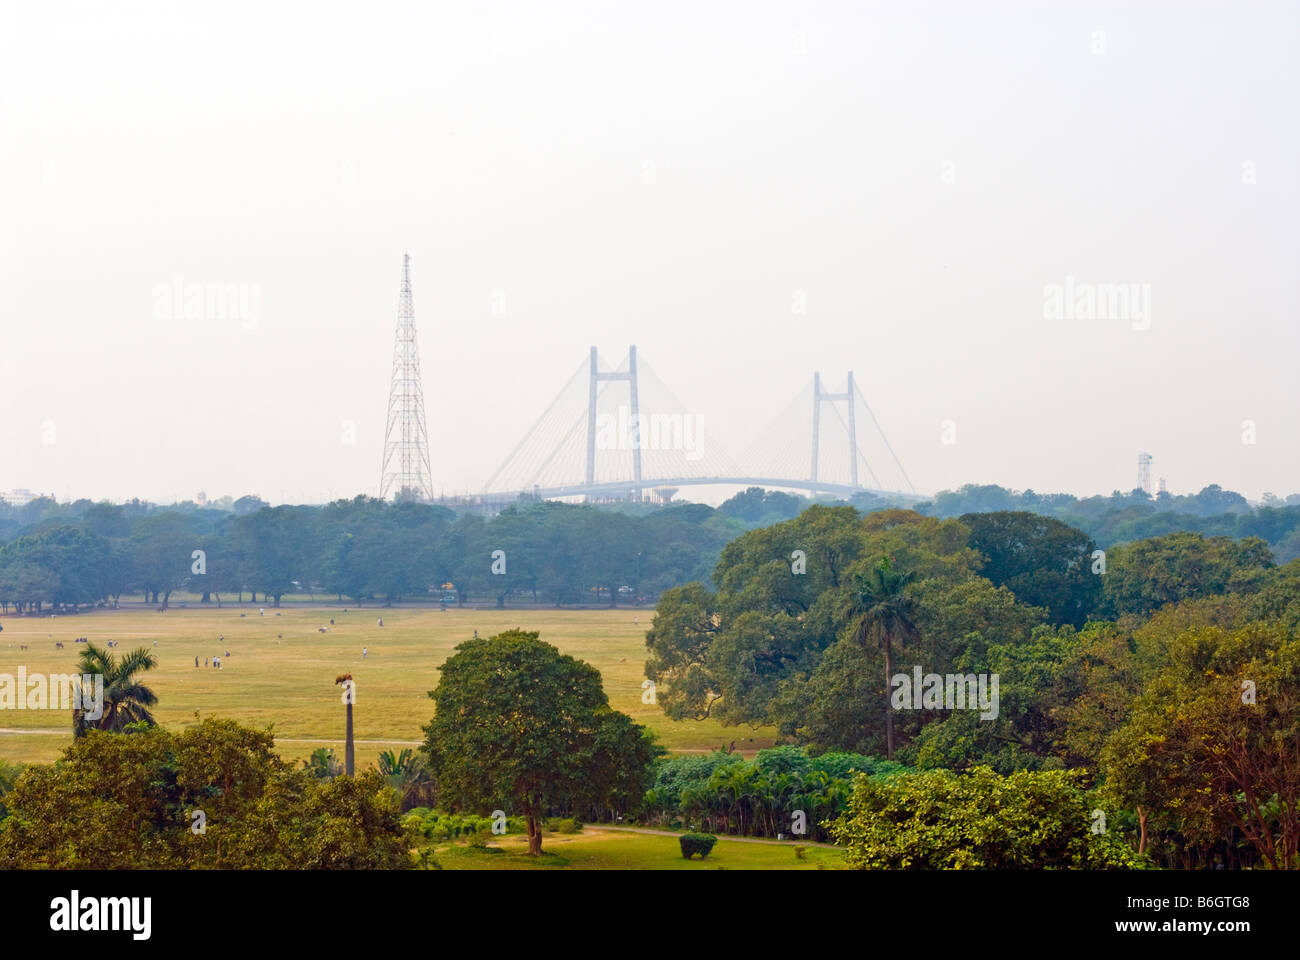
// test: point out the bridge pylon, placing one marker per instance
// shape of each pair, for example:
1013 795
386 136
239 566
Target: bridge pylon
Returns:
595 377
819 397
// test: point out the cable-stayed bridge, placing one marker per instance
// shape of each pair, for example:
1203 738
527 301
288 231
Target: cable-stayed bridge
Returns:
620 433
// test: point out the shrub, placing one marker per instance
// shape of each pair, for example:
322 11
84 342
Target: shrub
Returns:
693 843
941 820
566 825
800 851
441 827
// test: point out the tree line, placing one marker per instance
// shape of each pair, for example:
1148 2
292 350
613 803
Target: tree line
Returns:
1164 671
1137 515
367 550
363 550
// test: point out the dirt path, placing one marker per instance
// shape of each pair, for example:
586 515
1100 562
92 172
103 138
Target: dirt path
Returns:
44 730
60 731
405 743
721 836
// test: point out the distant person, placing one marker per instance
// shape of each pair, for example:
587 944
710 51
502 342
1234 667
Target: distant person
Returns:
205 661
261 611
636 619
196 661
363 653
381 621
475 634
227 653
331 621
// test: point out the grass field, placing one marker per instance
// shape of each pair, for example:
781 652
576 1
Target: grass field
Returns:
289 682
594 849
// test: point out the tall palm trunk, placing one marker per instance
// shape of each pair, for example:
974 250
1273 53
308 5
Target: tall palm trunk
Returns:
889 706
349 754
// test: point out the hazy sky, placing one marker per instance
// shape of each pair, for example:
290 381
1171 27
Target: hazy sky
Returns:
687 177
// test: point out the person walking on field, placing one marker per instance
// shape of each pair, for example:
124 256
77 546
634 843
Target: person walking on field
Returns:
381 621
363 653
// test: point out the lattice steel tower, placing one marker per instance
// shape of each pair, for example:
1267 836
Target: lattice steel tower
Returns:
405 473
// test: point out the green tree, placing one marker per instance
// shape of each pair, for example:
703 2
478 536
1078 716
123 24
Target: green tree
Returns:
517 726
1043 561
684 626
1142 577
126 699
161 549
1212 746
133 800
884 615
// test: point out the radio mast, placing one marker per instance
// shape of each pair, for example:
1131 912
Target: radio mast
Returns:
405 473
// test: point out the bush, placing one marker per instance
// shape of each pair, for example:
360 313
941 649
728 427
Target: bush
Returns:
566 825
693 843
941 820
455 826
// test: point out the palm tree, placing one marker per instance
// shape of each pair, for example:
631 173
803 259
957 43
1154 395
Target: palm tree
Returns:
406 773
885 614
782 793
349 697
126 699
322 764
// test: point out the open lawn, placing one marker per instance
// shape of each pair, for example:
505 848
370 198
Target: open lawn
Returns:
595 849
289 682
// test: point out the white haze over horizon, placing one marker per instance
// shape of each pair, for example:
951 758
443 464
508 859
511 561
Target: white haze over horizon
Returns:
681 176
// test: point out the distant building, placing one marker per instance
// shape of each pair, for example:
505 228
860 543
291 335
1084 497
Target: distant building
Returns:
19 497
1144 472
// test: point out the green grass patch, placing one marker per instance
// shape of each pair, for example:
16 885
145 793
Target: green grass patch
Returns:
596 849
288 680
